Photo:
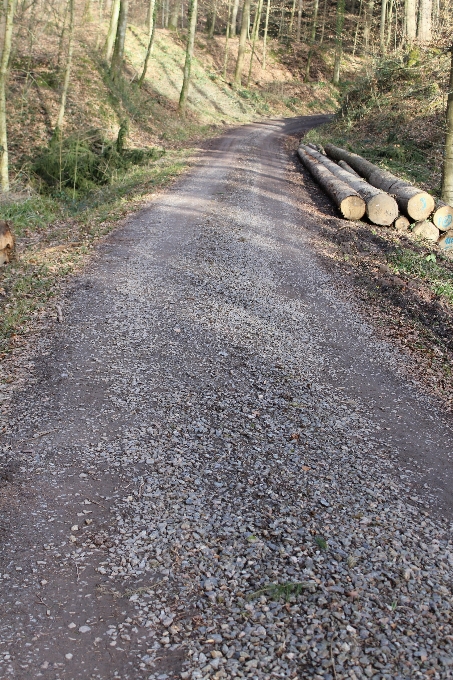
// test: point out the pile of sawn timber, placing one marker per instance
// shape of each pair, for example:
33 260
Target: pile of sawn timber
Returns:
358 187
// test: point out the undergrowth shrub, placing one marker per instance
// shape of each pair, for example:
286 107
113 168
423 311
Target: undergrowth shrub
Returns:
83 161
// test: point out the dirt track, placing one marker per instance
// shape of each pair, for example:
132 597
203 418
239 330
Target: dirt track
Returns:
210 378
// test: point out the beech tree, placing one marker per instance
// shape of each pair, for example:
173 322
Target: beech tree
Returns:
118 50
242 42
67 75
447 175
8 7
111 33
192 17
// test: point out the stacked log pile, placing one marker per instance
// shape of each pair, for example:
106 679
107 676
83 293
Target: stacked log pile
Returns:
384 195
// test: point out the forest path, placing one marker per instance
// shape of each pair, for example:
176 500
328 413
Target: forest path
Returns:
213 418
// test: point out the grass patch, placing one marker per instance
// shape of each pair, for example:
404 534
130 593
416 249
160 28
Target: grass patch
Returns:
424 267
285 591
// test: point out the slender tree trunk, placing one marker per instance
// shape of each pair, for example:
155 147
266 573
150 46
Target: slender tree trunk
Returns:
67 75
150 45
101 19
242 42
382 43
356 35
192 12
369 8
282 20
8 9
266 25
447 175
299 20
174 16
338 41
323 27
256 29
62 35
312 37
424 31
410 20
151 16
110 41
291 21
234 18
213 20
390 23
118 51
227 36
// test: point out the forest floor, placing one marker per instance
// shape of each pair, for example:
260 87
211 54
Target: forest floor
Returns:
216 467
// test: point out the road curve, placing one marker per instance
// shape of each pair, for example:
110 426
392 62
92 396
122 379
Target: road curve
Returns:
216 469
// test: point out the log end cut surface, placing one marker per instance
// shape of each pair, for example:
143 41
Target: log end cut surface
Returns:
420 206
446 244
443 218
352 208
382 209
426 229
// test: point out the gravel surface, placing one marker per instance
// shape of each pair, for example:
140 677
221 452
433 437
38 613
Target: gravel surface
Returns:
215 470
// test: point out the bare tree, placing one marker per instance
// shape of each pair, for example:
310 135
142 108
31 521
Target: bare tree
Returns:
141 80
410 20
314 26
368 21
382 43
447 175
118 51
338 41
192 12
234 18
242 42
67 75
266 26
8 7
111 33
256 28
424 21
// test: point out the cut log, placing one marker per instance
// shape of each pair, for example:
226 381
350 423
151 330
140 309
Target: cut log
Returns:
443 216
348 168
415 203
312 146
426 229
446 244
6 242
402 223
381 208
349 203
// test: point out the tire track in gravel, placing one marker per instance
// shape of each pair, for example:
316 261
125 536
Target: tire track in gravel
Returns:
230 479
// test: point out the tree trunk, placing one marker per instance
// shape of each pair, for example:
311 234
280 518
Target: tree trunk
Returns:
291 21
381 208
356 35
424 21
266 25
227 36
118 51
151 21
213 20
141 80
174 16
112 29
426 229
348 168
312 38
192 17
349 203
447 174
410 20
369 8
443 216
234 18
414 202
4 61
382 43
299 20
323 27
67 75
256 29
242 42
338 42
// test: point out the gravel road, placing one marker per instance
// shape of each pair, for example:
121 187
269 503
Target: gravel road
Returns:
215 469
